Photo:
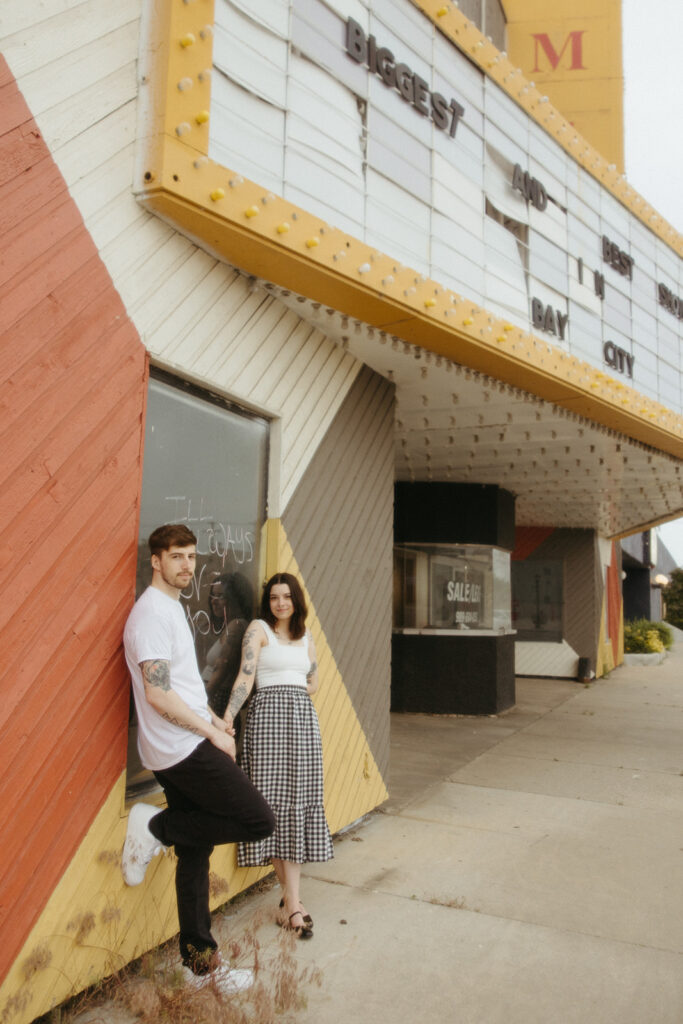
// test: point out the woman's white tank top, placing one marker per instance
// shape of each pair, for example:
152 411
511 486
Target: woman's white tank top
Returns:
282 664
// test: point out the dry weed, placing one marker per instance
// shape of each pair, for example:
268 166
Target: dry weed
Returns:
143 999
38 960
82 924
112 857
218 886
109 914
153 989
15 1005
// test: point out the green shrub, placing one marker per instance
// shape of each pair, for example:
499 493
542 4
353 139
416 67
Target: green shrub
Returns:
673 596
644 637
665 634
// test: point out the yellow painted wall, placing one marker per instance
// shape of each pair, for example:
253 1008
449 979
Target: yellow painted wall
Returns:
605 660
353 782
572 50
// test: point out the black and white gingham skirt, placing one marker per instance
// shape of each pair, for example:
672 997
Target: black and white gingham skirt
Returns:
282 755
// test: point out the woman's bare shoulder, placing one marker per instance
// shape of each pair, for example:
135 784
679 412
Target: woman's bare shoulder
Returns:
255 632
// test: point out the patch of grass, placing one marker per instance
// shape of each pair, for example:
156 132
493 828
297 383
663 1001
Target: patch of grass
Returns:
152 989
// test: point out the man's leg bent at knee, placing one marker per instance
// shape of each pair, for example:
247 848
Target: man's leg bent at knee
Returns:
219 804
210 801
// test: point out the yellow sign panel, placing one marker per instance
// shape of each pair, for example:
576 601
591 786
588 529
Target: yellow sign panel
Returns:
573 52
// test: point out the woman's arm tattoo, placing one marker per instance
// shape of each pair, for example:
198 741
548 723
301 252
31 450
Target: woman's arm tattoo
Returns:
249 635
312 670
157 673
248 653
237 698
243 683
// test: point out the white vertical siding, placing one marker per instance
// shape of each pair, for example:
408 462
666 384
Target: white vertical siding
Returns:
194 314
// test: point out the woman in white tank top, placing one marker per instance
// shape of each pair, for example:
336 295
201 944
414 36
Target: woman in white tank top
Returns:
282 752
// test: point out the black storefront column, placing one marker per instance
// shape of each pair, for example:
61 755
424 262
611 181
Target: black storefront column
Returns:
451 671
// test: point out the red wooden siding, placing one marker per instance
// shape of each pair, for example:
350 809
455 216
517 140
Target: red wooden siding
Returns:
72 392
614 601
527 539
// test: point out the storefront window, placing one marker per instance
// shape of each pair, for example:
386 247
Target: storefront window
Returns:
537 600
205 465
451 587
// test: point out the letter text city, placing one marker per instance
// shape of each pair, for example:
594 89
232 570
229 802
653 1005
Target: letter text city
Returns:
618 358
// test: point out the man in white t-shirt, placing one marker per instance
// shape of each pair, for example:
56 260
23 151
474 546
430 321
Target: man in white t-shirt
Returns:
190 750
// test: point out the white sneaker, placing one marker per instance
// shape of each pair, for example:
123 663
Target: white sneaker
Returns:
140 845
227 980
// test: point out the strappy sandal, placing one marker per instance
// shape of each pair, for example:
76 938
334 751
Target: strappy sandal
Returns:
302 931
307 917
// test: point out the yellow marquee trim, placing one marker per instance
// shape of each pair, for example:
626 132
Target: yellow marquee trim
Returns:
241 222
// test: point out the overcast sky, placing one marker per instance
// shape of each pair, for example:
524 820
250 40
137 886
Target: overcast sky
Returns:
653 116
653 103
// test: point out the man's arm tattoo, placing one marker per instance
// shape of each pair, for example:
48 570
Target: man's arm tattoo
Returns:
181 725
312 670
157 673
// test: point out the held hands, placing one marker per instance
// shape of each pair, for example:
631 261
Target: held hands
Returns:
229 723
222 725
225 742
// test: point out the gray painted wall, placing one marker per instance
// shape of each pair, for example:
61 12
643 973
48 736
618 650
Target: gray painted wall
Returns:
583 586
340 525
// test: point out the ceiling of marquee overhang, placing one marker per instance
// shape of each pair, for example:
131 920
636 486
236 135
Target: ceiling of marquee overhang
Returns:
454 423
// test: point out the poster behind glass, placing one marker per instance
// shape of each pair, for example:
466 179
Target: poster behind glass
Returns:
459 592
451 587
205 466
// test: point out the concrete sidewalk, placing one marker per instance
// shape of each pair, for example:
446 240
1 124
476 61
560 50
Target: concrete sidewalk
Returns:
527 869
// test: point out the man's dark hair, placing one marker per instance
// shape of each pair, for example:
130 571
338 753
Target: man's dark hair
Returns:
297 624
168 536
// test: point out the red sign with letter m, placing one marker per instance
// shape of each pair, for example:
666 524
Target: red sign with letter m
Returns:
573 44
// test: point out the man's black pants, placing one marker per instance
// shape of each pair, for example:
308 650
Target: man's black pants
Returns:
210 801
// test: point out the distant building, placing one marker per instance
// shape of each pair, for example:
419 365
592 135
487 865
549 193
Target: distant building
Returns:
647 564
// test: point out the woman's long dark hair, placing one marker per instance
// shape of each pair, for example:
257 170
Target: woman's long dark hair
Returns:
238 594
238 599
297 624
